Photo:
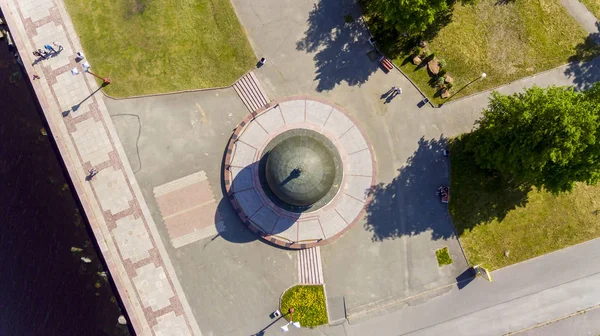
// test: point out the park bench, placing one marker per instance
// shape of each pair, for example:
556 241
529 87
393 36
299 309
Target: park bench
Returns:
386 63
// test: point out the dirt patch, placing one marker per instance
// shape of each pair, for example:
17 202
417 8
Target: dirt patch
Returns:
135 7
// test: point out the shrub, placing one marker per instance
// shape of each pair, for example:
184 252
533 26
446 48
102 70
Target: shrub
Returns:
309 305
442 63
416 51
443 256
439 81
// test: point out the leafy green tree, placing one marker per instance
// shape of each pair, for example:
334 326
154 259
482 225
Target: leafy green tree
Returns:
545 137
412 17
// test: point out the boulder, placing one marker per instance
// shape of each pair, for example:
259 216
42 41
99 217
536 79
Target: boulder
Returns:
417 60
434 66
445 94
449 79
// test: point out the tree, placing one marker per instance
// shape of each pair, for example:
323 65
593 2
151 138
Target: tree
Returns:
545 137
412 17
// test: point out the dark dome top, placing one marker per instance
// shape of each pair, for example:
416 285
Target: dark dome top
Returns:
301 170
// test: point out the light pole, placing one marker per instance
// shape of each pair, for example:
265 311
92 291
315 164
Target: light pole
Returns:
482 76
295 324
86 68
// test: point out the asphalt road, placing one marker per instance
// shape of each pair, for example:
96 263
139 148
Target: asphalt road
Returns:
521 296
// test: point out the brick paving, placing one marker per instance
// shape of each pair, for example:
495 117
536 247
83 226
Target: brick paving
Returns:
282 227
84 133
188 208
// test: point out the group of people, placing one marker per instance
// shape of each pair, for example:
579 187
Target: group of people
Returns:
442 191
48 50
395 91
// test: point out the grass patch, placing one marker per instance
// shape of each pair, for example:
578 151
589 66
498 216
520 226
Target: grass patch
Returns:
443 256
507 42
593 6
309 305
492 217
153 46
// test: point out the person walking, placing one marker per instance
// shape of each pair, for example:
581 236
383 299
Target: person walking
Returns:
43 53
49 48
58 45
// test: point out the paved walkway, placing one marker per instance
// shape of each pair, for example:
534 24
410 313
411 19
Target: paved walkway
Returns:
315 61
522 296
582 15
86 138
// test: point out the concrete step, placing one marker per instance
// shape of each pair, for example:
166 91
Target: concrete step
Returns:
310 269
251 92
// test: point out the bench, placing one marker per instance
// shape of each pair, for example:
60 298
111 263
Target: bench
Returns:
386 63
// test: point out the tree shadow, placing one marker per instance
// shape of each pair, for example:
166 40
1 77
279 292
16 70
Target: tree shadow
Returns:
479 196
340 47
584 66
409 205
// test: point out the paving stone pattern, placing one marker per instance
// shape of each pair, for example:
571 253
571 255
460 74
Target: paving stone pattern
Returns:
189 209
113 203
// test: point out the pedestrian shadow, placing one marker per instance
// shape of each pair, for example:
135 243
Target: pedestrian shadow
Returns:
340 46
50 55
584 66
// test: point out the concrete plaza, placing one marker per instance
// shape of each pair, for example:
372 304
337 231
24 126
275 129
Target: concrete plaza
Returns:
178 253
390 253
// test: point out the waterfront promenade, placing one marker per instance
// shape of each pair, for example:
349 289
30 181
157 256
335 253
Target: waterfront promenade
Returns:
86 137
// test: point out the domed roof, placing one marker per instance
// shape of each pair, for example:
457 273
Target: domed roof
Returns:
302 169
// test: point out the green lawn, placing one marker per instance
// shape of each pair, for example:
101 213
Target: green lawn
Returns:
507 42
593 6
491 217
443 256
309 305
153 46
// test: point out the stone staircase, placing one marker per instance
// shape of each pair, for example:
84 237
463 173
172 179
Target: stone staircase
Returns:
310 269
251 92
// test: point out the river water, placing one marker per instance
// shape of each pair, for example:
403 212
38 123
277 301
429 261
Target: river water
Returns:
45 288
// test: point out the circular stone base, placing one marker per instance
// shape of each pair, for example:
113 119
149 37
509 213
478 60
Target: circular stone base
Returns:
281 223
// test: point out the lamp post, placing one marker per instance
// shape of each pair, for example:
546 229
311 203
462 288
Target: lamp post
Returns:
482 76
286 328
86 68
